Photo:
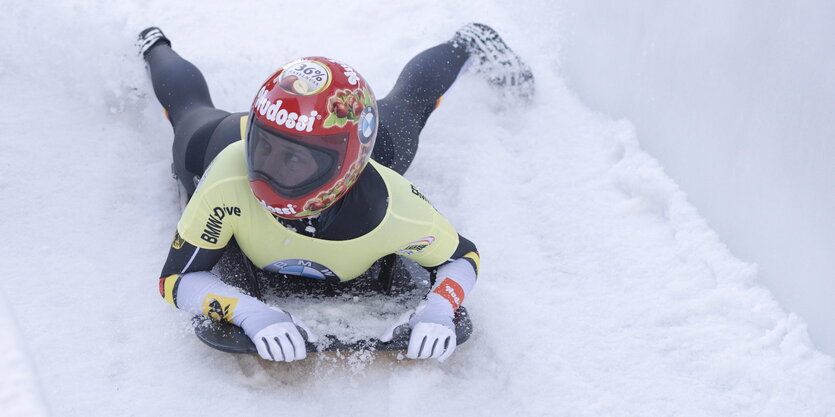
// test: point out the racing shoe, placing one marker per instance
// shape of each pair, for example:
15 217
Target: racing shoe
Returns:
492 57
150 37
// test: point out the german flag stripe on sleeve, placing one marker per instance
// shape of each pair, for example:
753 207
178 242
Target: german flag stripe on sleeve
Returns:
168 288
474 260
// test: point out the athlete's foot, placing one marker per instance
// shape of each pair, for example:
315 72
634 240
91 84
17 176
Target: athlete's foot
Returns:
492 57
149 38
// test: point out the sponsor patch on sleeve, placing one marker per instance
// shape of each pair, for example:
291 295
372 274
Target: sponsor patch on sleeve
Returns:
218 307
214 223
178 241
451 291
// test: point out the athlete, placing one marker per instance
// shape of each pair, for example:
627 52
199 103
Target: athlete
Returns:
309 182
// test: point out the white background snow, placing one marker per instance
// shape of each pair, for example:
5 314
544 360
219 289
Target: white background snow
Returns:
603 291
736 99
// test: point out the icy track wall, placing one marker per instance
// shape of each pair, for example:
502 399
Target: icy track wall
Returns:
736 100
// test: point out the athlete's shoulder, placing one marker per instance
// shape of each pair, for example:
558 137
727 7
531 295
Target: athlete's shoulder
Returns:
222 197
231 161
403 194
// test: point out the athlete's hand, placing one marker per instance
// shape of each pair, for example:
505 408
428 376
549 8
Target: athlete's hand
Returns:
280 342
433 332
276 335
431 340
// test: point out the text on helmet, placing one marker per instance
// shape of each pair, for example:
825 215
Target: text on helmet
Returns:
278 210
273 112
349 72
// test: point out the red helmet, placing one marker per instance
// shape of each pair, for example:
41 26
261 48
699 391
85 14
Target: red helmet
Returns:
310 133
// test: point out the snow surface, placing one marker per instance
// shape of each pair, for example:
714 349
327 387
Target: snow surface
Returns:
602 293
736 100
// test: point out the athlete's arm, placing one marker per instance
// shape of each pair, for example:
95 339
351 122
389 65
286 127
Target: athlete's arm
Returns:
187 283
456 277
467 252
184 259
433 330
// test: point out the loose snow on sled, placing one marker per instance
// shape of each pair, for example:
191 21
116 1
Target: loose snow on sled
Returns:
349 316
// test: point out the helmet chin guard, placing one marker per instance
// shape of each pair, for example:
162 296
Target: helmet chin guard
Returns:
311 131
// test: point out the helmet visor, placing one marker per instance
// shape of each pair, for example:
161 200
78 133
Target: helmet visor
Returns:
292 168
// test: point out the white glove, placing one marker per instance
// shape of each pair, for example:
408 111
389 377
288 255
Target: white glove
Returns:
433 332
277 337
431 340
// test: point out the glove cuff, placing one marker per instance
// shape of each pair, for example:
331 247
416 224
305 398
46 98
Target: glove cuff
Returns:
434 309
